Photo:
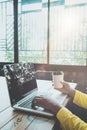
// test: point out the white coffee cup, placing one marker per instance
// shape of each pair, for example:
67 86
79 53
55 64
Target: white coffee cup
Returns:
57 77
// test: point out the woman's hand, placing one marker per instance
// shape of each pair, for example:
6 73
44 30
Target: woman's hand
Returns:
66 89
47 103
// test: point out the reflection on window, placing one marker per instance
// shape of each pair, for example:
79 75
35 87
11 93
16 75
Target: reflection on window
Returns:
67 31
6 31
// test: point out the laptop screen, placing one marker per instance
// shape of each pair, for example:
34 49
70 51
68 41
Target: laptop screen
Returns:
20 80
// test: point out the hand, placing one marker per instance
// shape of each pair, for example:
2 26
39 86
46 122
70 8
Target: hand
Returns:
47 103
66 89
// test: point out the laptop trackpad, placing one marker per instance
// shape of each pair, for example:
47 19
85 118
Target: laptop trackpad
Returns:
38 108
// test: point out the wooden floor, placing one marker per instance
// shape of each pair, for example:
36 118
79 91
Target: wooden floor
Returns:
11 120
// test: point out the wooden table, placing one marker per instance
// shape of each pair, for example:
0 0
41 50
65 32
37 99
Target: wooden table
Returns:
13 120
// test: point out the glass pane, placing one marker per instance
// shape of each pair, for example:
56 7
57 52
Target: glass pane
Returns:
32 16
7 31
68 32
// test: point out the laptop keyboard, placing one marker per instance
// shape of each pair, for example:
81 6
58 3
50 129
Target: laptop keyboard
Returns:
59 97
28 103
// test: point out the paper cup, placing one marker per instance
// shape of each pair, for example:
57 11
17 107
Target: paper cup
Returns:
57 77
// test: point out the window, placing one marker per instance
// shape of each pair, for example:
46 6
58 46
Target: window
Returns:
6 31
49 31
55 32
68 33
33 31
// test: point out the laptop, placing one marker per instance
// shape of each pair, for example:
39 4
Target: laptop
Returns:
22 88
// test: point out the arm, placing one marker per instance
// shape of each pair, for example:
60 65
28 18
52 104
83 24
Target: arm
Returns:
69 121
66 118
79 98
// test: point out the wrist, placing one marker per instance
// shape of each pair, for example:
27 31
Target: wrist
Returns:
71 92
56 109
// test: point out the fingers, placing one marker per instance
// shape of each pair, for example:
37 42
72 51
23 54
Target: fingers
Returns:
36 101
41 101
60 89
64 83
65 89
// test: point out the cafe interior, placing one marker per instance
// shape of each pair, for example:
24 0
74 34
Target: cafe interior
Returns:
51 34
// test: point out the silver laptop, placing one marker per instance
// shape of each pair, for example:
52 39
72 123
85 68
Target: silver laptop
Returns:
22 88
